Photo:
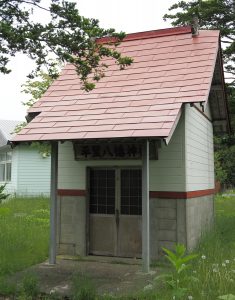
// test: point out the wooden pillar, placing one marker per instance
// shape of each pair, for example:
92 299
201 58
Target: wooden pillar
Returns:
53 202
145 207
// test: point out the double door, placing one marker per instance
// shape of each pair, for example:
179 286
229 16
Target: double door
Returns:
115 212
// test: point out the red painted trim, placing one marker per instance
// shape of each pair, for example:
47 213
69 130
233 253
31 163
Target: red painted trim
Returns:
152 194
181 195
64 192
148 34
169 195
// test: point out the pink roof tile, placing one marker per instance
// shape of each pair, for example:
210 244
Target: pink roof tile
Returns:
170 68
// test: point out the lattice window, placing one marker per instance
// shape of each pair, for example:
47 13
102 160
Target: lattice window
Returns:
5 166
131 192
102 191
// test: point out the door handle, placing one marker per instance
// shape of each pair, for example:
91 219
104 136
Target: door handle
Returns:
117 216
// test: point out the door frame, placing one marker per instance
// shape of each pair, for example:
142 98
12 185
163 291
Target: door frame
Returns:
87 197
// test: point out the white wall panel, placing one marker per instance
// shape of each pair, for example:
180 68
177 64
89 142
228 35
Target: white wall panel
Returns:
199 150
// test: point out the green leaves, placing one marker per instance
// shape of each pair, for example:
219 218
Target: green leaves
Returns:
178 258
3 195
38 86
225 159
68 36
178 278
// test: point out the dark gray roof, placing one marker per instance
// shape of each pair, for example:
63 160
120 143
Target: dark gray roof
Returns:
7 130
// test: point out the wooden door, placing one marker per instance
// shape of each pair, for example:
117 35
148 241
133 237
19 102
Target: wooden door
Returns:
130 222
115 212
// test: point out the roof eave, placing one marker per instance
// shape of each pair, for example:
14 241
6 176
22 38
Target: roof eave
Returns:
168 138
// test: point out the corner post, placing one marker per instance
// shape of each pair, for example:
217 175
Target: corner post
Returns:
53 202
145 207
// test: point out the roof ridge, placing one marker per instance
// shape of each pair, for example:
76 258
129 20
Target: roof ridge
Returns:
149 34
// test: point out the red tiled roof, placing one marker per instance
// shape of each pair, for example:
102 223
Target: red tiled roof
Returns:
170 68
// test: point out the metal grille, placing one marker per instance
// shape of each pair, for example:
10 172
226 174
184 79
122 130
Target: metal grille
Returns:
131 192
102 191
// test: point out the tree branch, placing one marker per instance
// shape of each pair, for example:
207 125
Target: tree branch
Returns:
226 42
37 5
230 38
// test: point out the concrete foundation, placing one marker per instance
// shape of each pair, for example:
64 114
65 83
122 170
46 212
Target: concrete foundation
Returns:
171 221
179 221
199 218
71 233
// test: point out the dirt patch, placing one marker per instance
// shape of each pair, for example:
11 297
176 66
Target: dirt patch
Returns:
109 275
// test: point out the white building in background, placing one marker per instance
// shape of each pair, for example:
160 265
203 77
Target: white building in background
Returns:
23 169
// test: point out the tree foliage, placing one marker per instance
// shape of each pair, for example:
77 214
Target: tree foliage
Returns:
225 159
36 87
3 195
67 35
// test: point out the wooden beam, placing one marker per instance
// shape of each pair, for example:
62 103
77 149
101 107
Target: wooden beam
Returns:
145 207
53 208
217 87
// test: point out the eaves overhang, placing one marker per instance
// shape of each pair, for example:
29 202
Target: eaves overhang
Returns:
218 101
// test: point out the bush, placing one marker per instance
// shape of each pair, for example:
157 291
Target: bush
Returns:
3 195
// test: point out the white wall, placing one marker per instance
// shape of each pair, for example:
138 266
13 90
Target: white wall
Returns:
30 172
166 174
33 172
199 150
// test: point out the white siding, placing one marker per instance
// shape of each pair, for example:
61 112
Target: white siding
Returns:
166 174
33 172
199 151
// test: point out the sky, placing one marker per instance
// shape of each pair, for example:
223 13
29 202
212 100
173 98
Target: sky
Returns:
123 15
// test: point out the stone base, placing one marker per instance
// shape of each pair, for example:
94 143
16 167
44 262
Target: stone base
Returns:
171 221
71 225
179 221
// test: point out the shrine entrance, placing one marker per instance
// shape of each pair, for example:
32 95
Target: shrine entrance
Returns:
115 211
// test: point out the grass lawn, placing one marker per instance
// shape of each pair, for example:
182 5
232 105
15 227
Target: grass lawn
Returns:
24 232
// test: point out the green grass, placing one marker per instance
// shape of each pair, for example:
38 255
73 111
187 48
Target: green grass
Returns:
24 233
214 269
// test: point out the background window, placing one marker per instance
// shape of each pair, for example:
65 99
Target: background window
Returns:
5 166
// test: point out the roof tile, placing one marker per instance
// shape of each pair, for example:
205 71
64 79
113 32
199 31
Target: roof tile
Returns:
138 126
170 68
